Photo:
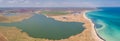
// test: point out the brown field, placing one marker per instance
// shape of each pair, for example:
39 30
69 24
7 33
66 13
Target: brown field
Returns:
16 18
15 34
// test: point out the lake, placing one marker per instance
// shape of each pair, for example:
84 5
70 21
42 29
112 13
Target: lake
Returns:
40 26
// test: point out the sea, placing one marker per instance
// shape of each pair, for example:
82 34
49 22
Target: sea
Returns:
107 22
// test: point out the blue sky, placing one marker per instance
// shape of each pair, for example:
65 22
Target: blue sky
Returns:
59 3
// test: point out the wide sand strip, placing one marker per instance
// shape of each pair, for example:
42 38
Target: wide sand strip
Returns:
89 34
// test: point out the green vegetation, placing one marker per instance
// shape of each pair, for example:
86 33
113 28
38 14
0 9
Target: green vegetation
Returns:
54 12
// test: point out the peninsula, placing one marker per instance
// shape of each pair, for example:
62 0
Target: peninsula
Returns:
88 34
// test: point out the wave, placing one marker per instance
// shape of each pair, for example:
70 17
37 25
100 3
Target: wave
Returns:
107 23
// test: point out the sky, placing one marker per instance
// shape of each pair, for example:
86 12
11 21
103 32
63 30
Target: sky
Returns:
59 3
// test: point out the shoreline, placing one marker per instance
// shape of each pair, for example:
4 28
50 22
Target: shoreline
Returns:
93 28
89 34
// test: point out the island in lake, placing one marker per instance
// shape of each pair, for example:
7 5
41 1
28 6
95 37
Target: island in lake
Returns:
47 24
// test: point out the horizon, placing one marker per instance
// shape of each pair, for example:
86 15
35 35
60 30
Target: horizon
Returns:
52 7
59 3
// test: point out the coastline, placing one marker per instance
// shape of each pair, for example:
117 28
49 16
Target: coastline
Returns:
89 34
94 30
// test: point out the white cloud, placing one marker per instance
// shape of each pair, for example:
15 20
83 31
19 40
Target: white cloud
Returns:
66 4
26 2
88 4
12 1
52 3
17 2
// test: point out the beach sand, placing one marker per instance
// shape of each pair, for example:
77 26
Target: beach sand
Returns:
89 34
16 18
3 38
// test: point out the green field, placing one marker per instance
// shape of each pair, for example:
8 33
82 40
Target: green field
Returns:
54 12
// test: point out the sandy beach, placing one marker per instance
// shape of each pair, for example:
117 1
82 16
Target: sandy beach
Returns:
94 33
3 38
89 34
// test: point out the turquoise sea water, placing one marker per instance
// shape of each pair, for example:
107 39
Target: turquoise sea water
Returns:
39 26
107 22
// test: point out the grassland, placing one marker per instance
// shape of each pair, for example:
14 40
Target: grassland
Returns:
54 12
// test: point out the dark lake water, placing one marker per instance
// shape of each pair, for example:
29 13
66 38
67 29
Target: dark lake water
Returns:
39 26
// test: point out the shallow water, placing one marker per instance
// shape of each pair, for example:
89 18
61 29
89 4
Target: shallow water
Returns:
107 23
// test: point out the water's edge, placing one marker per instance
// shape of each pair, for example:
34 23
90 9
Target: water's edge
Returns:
94 25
